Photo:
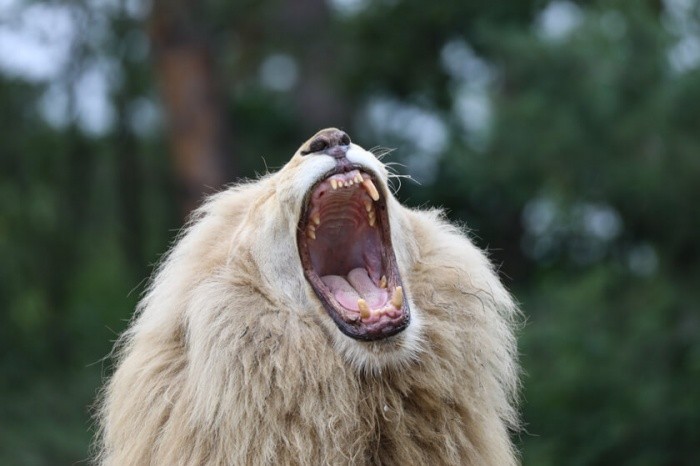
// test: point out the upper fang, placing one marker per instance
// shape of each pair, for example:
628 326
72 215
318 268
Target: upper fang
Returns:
371 189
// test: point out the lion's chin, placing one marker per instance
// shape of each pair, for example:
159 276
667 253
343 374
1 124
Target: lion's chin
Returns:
345 250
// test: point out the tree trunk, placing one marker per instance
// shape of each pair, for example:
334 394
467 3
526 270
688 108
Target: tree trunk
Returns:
317 100
186 74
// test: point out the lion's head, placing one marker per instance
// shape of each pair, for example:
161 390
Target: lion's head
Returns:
308 317
350 245
344 238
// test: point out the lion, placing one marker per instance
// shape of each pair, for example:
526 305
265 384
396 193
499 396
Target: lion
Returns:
310 318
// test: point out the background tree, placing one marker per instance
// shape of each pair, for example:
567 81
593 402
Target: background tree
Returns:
563 134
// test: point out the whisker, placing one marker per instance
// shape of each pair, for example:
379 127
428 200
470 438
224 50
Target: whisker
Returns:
381 152
390 166
398 177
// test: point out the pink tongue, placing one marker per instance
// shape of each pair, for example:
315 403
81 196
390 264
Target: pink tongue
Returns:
357 284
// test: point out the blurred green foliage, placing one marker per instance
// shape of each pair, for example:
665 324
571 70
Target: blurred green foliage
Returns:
564 135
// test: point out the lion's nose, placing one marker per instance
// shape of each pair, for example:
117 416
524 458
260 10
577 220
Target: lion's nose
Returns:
333 142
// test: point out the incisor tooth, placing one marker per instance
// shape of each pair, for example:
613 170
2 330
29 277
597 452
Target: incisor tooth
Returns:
364 308
334 184
371 189
382 282
358 178
397 298
316 218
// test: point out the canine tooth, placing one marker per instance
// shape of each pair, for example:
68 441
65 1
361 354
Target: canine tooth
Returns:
371 189
316 218
397 298
382 282
364 308
334 184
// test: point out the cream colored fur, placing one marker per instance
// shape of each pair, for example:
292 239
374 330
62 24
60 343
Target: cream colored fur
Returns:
231 359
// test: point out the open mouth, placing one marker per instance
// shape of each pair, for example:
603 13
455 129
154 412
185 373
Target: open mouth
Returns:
345 248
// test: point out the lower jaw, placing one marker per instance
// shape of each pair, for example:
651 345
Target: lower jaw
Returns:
378 332
386 318
376 327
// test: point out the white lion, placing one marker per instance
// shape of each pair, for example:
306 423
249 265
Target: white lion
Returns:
309 318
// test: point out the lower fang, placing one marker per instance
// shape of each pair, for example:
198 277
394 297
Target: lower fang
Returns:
397 298
364 308
382 282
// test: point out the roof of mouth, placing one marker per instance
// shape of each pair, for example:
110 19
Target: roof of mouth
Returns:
341 227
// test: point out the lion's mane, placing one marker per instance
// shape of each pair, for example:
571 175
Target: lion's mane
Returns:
231 359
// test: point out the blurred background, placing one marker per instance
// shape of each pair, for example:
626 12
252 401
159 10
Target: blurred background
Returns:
565 135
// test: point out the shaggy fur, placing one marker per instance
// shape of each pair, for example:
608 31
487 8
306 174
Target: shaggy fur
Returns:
231 359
